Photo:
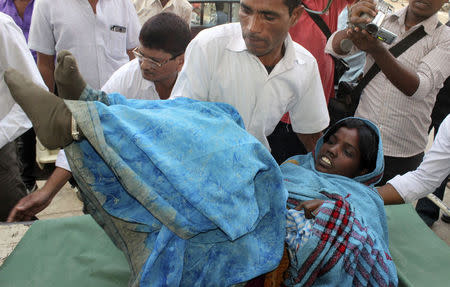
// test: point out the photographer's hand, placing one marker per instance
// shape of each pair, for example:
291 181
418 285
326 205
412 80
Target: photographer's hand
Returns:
364 41
362 12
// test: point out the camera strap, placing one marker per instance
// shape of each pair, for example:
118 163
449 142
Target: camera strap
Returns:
396 51
319 22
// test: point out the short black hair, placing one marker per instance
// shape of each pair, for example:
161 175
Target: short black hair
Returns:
292 4
367 140
167 32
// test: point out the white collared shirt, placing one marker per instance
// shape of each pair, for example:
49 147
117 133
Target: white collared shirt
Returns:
434 168
149 8
14 53
218 68
404 121
98 41
128 81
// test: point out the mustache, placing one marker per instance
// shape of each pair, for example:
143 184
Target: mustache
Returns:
253 36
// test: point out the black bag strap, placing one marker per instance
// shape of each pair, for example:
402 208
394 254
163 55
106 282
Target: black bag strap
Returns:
319 22
396 51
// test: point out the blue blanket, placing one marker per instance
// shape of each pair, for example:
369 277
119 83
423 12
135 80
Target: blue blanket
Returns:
180 186
348 245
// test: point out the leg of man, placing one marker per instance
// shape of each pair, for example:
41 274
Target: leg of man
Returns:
12 188
27 157
399 165
427 210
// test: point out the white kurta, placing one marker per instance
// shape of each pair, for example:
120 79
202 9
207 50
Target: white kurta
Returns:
14 53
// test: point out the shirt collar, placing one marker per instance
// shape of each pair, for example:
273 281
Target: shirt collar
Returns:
169 3
237 44
429 24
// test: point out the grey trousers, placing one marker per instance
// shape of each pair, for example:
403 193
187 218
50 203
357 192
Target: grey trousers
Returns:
12 188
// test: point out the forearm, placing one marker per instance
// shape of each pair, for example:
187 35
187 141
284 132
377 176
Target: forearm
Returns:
56 181
404 79
46 66
390 195
309 140
337 40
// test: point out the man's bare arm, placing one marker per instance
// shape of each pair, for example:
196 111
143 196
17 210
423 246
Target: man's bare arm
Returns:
37 201
390 195
309 140
46 66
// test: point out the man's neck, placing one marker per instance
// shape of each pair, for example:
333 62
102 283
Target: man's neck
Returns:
271 59
411 19
21 5
93 5
164 88
164 3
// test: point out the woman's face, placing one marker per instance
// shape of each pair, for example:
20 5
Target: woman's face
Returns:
340 154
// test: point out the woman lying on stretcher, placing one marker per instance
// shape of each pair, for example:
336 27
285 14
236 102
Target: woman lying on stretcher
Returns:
336 227
202 227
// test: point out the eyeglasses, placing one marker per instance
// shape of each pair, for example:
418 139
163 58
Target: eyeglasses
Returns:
153 63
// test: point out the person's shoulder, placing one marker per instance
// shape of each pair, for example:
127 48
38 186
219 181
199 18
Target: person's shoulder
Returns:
444 32
7 24
220 33
5 19
302 54
129 70
184 4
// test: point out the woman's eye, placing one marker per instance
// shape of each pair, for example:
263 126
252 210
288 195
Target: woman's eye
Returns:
348 153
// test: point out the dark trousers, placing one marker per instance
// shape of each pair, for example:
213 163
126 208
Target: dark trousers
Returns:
427 210
284 143
26 149
399 165
12 188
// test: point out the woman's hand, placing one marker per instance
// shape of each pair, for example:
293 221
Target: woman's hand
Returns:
310 207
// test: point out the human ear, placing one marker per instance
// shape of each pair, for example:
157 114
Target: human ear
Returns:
296 13
180 62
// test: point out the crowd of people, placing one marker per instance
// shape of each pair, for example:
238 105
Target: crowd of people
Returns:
183 139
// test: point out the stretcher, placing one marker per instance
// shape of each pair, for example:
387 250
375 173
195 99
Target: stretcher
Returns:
75 251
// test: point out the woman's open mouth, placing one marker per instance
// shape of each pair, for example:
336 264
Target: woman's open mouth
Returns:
325 162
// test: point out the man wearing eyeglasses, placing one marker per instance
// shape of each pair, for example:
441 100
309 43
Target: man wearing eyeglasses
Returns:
151 76
159 57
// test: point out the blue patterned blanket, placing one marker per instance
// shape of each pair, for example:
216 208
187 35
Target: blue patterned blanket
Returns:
180 186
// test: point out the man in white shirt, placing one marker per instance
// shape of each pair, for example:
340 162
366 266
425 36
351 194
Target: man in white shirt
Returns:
427 177
14 53
101 34
151 76
257 68
149 8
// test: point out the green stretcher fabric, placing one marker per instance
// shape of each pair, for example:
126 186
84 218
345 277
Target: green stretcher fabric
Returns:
421 257
67 252
79 253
